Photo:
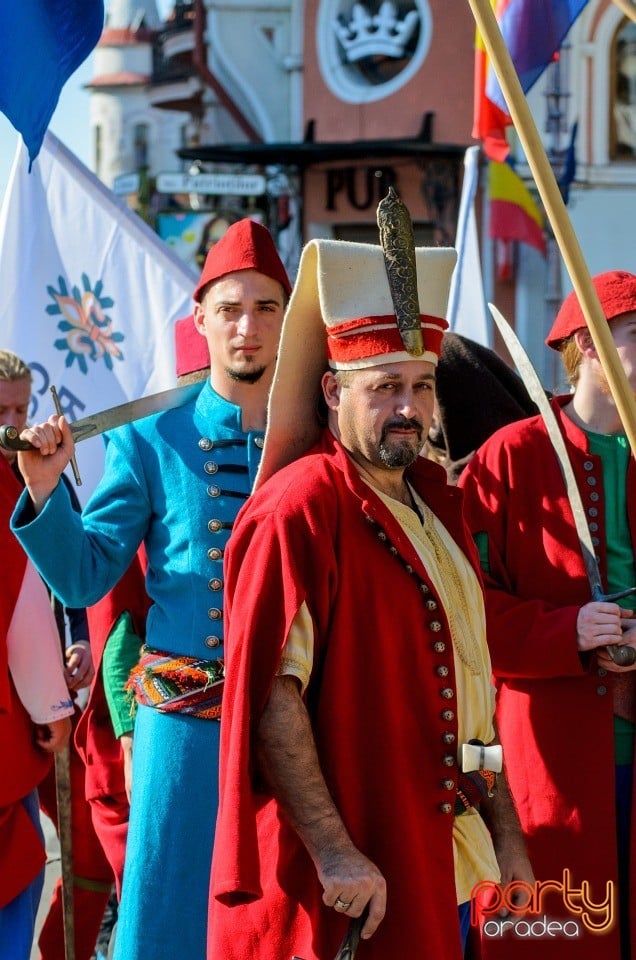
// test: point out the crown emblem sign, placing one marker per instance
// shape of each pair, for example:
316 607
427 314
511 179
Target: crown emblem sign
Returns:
381 34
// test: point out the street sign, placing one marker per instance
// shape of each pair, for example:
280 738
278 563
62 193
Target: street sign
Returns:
239 184
125 184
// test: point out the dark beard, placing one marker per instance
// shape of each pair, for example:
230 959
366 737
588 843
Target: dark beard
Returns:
245 376
402 454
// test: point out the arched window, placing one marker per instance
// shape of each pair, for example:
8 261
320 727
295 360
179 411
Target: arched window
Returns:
623 94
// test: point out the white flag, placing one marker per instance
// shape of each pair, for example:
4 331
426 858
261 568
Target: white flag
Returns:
467 304
89 293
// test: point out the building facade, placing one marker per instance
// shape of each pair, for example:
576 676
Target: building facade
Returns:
302 113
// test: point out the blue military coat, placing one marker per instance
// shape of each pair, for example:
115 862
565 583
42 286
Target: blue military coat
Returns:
175 481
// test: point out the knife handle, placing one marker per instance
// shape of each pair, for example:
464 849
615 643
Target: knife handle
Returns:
349 946
623 655
10 439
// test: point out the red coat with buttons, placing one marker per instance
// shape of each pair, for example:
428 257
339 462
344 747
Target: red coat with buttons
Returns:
22 853
316 533
554 707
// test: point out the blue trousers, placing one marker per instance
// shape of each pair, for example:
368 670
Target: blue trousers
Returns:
463 911
17 919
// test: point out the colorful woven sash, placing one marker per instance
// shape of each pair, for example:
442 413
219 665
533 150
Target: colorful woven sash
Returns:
178 684
472 788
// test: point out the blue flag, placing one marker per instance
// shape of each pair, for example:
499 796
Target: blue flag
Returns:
42 42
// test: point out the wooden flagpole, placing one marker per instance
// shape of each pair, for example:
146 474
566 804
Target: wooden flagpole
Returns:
557 214
627 8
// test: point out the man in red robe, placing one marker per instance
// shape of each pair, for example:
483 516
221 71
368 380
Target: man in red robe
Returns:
356 658
565 710
34 723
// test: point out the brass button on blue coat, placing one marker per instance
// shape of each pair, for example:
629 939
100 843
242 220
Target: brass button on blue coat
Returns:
214 526
205 443
214 490
212 641
211 467
259 442
215 553
214 613
215 584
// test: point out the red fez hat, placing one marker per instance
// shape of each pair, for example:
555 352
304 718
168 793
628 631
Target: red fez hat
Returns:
246 245
190 347
617 292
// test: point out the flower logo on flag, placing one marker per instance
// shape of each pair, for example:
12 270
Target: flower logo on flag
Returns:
88 331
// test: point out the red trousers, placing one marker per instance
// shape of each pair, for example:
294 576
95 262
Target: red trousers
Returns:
110 819
92 875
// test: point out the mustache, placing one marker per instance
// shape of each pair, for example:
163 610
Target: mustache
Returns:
402 423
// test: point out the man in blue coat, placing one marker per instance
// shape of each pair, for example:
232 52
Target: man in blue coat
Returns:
174 481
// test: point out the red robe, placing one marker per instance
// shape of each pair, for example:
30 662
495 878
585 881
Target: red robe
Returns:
22 854
317 533
94 738
554 707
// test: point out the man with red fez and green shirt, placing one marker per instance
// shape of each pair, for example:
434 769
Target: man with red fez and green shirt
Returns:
565 709
174 481
357 665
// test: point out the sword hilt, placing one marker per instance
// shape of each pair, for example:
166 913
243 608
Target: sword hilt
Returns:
10 439
72 461
622 654
349 946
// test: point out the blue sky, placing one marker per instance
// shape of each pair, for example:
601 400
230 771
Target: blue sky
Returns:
70 120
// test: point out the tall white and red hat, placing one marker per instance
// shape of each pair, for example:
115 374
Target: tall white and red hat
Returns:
342 315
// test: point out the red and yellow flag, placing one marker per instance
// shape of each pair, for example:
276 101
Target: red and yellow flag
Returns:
514 213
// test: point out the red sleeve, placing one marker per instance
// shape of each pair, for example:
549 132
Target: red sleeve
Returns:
270 570
528 636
